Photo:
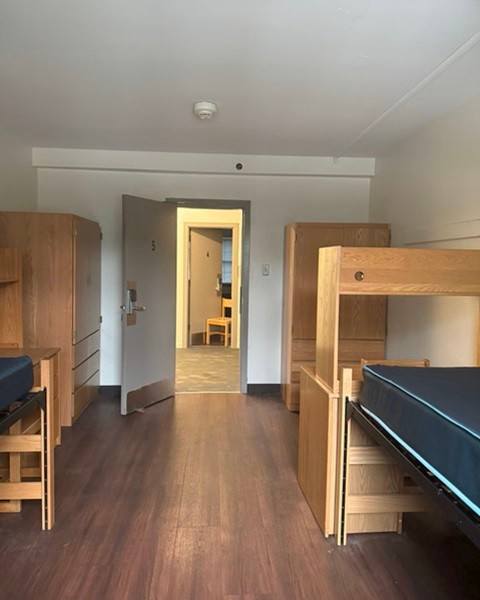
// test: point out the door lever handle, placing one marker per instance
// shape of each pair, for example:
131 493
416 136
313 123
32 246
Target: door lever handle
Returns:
139 308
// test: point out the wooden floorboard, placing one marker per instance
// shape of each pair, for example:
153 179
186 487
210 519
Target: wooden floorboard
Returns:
197 499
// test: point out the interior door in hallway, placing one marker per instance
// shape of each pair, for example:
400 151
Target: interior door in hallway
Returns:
205 295
148 310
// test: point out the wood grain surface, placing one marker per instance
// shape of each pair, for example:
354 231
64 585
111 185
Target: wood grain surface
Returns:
197 499
410 272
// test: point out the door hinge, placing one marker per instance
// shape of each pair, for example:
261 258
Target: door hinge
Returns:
74 335
75 232
101 319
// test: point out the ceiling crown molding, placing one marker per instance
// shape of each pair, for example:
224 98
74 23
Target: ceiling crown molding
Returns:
221 164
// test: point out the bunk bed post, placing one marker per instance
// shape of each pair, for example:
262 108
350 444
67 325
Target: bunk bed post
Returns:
328 312
48 437
343 432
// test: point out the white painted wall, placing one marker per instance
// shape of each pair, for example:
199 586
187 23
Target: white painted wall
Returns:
430 182
276 201
18 179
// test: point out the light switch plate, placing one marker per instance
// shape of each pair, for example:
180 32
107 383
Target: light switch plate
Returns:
265 270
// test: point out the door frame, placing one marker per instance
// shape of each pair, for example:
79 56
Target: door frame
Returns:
244 206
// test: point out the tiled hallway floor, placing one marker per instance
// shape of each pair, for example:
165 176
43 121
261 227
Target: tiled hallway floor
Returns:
207 369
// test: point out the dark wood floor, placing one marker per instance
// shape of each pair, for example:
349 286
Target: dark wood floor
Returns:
197 499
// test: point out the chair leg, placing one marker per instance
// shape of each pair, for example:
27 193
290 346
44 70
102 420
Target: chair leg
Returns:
225 334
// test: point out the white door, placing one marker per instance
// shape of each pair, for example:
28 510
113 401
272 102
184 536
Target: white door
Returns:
148 310
205 293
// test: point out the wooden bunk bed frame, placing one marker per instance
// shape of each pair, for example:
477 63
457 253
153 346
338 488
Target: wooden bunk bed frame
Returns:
352 484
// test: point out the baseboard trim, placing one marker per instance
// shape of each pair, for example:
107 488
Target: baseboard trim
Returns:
109 390
253 389
258 389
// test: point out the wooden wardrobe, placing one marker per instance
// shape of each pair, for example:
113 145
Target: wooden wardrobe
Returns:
362 319
61 297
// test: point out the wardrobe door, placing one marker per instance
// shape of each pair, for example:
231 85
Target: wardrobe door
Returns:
86 314
309 239
86 278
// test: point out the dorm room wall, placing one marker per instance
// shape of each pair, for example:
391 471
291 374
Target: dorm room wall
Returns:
428 188
18 179
276 201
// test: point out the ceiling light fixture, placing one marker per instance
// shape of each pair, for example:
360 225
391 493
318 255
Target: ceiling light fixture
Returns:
205 110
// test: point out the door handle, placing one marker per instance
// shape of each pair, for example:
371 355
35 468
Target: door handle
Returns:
131 304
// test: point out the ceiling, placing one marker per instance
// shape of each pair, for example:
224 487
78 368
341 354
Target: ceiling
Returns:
295 78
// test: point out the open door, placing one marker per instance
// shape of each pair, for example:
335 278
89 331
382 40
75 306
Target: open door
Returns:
205 294
148 310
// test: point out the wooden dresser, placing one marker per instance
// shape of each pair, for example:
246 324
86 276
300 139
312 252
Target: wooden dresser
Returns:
362 319
61 297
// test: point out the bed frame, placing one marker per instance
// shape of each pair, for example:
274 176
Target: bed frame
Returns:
463 516
352 484
12 489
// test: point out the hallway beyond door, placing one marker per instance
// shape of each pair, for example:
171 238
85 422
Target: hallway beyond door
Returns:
207 369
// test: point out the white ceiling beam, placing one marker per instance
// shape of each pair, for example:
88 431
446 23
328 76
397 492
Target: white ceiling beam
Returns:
451 58
221 164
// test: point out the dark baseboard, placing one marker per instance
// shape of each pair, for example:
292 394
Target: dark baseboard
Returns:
197 339
253 389
109 390
257 389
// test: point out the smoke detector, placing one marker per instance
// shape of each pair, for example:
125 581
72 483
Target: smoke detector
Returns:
204 110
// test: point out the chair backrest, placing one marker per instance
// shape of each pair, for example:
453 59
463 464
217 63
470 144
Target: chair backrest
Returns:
226 303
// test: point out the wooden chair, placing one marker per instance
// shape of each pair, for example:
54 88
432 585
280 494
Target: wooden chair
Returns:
221 325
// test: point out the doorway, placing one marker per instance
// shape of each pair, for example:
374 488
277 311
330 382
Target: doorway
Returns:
209 293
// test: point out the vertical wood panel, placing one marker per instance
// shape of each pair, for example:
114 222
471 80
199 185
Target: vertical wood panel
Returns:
309 240
11 326
328 313
317 449
87 250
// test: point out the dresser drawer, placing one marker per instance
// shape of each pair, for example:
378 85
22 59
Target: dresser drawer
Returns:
85 394
86 348
84 371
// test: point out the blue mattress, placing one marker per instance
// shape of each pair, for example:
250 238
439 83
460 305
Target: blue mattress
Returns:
434 413
16 379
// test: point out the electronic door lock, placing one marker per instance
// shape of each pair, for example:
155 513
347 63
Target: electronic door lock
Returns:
130 305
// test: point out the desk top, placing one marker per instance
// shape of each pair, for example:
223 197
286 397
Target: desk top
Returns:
36 354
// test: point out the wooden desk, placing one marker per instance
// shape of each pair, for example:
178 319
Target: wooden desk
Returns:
45 374
14 466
